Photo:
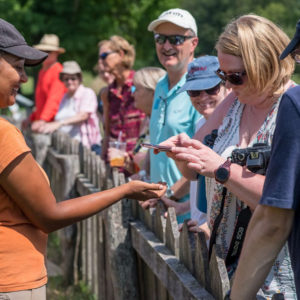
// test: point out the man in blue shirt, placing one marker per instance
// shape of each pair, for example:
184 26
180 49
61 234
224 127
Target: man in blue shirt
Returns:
175 35
277 218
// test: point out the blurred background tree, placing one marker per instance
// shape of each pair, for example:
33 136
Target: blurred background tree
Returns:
81 24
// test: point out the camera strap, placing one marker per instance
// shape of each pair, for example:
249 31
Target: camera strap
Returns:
238 237
217 222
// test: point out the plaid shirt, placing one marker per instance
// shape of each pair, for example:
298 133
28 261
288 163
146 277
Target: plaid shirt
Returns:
123 115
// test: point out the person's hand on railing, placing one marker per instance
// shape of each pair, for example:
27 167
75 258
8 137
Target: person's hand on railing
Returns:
51 127
149 203
141 191
193 226
180 207
37 126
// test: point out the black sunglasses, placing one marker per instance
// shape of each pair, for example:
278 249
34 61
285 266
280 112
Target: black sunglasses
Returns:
105 54
173 39
212 91
235 78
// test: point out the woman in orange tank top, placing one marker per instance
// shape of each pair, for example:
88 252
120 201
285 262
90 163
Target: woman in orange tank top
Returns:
28 209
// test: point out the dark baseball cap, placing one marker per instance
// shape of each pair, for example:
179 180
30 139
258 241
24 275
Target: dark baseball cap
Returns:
201 74
293 44
12 42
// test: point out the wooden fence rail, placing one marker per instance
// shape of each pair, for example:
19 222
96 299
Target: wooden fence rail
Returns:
126 252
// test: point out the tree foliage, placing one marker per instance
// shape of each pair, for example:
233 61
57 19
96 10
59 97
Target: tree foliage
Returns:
81 24
212 16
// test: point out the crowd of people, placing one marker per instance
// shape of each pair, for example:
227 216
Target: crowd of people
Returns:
229 122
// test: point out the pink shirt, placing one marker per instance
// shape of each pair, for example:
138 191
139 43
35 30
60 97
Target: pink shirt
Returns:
86 101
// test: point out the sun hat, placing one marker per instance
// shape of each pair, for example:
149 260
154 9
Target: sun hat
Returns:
12 42
70 67
177 16
50 42
201 74
293 43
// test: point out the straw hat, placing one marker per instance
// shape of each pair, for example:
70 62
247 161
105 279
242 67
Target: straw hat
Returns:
50 42
70 67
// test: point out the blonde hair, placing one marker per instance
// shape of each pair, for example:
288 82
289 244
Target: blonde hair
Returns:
148 77
117 43
259 42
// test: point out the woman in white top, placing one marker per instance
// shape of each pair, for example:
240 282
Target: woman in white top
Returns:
77 111
248 52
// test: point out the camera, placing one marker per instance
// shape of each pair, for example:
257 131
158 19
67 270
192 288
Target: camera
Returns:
255 158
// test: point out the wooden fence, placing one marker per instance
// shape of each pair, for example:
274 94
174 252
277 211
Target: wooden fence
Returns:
126 252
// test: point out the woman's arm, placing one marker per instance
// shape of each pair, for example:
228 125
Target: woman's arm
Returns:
25 183
181 140
244 184
52 126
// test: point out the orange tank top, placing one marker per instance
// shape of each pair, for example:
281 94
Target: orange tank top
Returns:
22 245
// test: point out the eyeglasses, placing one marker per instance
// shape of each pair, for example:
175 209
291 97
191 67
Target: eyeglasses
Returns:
212 91
296 55
72 78
235 78
105 54
173 39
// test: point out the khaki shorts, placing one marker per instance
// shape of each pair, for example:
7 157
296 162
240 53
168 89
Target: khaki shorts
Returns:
34 294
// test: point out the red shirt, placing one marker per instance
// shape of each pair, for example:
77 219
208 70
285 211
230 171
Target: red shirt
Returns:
123 115
48 93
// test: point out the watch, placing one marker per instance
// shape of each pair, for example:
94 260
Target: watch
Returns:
223 172
170 194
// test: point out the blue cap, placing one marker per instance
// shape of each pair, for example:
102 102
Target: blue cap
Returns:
293 44
201 74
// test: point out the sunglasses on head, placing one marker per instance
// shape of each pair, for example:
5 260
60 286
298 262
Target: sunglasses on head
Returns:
212 91
173 39
72 78
105 54
235 78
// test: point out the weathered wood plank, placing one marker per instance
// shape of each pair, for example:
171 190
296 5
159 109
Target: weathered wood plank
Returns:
173 275
172 233
201 260
219 282
187 247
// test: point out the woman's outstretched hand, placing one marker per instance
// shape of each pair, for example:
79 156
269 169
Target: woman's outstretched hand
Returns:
140 190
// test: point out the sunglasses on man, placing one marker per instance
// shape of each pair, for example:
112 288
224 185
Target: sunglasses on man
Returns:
235 78
212 91
105 54
173 39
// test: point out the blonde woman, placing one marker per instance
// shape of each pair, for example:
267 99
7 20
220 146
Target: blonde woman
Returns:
248 52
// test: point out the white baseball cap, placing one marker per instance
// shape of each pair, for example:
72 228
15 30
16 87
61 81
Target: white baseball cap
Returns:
177 16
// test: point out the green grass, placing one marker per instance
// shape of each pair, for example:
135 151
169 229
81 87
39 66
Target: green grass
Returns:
56 290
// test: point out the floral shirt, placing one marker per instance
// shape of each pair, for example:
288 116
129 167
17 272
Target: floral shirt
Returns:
123 115
281 276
